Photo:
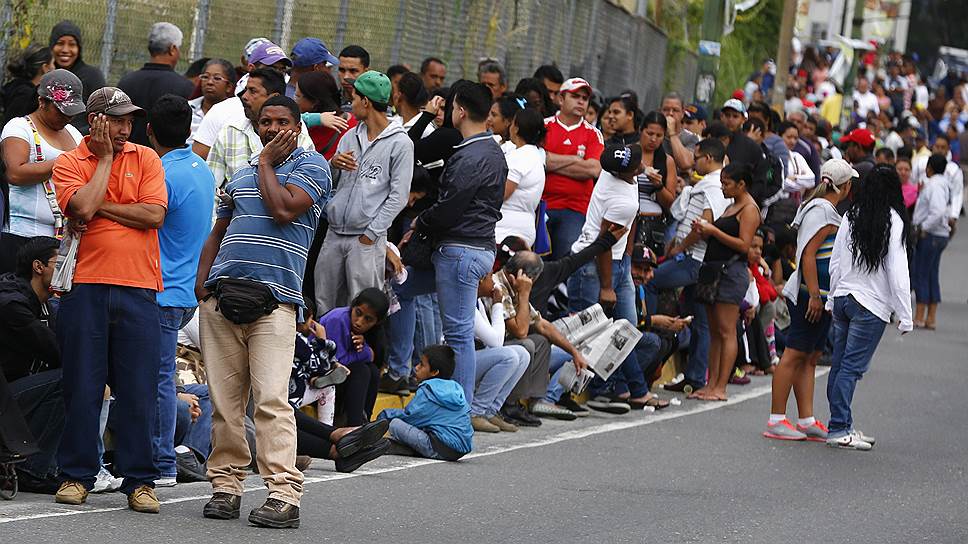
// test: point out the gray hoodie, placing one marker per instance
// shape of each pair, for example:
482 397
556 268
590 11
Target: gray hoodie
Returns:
368 199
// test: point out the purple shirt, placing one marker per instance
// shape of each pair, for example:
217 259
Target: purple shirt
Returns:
337 325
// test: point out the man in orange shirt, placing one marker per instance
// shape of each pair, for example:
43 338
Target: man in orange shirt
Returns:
108 324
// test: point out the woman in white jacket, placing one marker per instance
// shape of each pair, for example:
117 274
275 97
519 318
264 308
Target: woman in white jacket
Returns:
868 284
798 177
498 367
933 231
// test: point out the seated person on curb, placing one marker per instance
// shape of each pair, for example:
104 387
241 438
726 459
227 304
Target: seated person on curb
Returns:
499 367
347 327
193 432
436 424
608 281
315 368
526 327
661 334
30 365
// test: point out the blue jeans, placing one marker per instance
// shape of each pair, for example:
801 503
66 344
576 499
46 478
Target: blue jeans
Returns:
457 272
196 436
414 438
856 333
927 267
427 332
647 354
558 359
172 319
564 227
672 274
583 291
109 335
498 371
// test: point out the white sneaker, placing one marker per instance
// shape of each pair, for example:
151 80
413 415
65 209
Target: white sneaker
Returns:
166 482
866 438
851 440
106 482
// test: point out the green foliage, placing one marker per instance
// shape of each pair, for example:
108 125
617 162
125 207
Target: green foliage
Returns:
754 39
682 22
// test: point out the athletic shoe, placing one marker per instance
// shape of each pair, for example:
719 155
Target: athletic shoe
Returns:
607 405
166 482
335 376
482 425
543 408
869 439
568 403
816 432
106 482
190 469
783 430
851 441
393 387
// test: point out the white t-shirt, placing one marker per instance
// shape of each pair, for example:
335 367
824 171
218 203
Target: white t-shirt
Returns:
866 102
197 116
428 130
526 168
30 213
613 200
218 117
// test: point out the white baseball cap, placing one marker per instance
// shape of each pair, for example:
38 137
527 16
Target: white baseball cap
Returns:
837 172
573 84
734 104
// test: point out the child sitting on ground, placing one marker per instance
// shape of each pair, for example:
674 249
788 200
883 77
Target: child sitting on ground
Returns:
315 368
436 424
348 327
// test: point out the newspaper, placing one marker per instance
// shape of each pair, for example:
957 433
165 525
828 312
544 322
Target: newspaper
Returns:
509 300
603 342
573 380
63 278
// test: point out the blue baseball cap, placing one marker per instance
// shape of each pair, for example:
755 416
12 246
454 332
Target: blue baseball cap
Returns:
311 51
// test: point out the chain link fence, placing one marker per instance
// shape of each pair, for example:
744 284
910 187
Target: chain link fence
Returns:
596 39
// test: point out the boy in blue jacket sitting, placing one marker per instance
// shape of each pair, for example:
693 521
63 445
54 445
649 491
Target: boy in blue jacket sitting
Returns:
437 423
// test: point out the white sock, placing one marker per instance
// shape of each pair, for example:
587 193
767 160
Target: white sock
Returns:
806 421
182 449
776 418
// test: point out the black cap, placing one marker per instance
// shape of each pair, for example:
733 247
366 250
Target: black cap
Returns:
621 158
642 254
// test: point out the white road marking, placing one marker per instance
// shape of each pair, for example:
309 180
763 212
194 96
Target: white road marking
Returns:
577 434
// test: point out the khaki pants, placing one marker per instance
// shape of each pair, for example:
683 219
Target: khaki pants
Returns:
254 358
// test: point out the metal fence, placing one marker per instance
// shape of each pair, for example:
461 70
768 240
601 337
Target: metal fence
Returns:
596 39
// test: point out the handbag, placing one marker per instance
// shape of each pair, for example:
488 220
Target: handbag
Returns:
243 301
417 252
710 274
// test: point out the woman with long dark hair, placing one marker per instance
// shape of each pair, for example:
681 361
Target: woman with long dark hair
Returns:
526 177
626 118
500 117
20 92
729 239
657 183
868 283
318 92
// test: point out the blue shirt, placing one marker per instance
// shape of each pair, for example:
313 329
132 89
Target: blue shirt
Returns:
255 246
191 193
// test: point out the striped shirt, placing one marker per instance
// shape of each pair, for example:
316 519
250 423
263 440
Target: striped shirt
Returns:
235 146
255 246
697 203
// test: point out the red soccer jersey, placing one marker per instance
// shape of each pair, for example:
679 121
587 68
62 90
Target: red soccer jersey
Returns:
582 139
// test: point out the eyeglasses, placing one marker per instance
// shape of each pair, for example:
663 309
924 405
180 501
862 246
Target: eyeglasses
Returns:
216 79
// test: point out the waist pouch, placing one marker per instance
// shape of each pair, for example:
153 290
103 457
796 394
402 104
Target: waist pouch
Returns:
243 301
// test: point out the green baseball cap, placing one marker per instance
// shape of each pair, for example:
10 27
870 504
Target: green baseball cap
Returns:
373 85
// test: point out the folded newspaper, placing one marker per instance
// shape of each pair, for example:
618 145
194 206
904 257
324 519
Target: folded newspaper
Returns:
573 380
604 342
63 278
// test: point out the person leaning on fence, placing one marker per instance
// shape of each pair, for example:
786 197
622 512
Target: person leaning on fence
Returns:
114 191
249 285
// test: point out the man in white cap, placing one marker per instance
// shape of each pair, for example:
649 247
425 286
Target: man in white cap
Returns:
573 147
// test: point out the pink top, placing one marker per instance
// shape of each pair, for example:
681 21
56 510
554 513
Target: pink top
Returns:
910 192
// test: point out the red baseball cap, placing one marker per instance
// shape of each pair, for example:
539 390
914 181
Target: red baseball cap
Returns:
860 136
738 94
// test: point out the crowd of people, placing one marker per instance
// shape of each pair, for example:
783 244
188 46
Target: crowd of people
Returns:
224 268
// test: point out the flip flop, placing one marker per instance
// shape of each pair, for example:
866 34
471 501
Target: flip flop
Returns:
657 403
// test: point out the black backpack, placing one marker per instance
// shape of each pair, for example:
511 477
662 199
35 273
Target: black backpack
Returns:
771 177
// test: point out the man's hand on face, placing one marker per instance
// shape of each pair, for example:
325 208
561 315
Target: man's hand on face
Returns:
101 144
279 149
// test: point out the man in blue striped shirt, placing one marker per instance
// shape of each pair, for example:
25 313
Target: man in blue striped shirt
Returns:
262 236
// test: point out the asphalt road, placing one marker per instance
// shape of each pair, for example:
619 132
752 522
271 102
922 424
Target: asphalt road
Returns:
696 473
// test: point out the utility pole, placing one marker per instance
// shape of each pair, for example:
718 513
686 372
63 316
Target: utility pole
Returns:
857 32
709 48
783 53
